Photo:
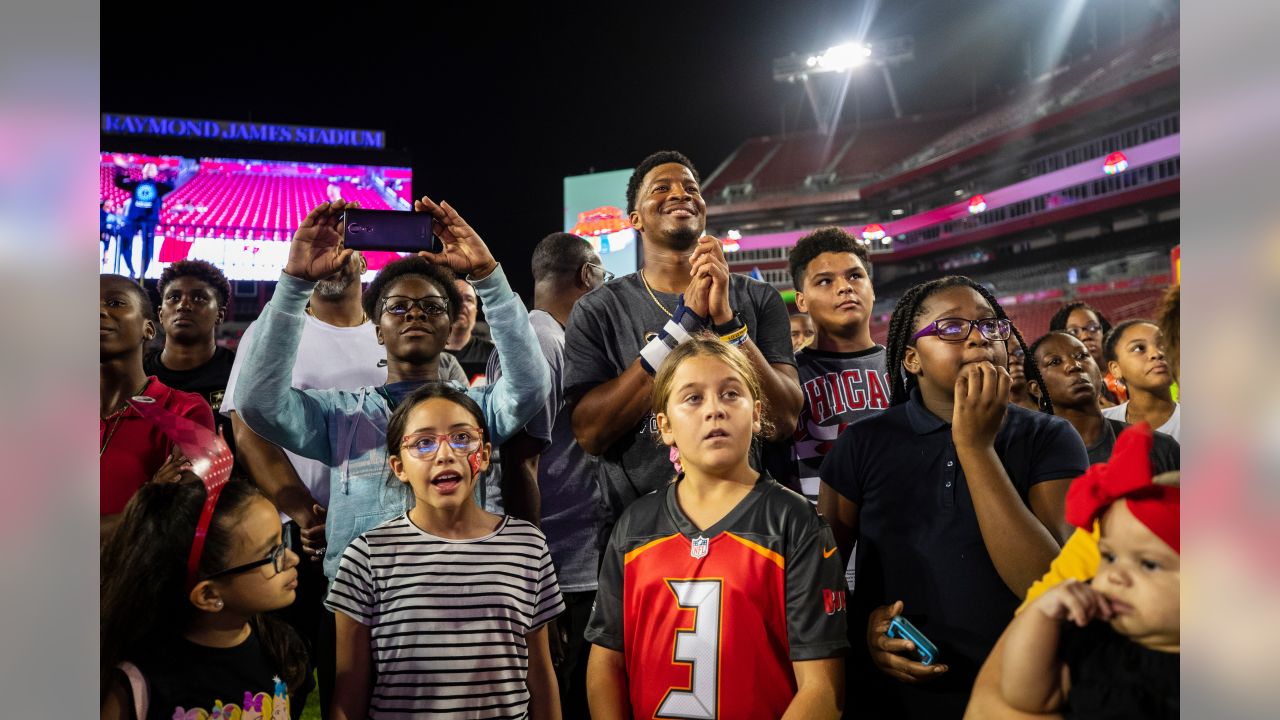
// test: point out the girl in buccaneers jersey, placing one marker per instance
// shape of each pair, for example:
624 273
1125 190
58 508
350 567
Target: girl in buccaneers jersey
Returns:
721 595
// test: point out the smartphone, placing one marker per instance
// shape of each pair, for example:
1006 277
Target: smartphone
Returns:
388 230
902 628
292 537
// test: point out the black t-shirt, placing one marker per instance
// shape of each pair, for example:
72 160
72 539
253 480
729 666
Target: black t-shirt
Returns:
184 678
1166 453
147 196
473 357
209 381
919 539
1115 677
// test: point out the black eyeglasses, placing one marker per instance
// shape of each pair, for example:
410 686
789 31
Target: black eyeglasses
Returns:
954 329
276 557
608 276
432 305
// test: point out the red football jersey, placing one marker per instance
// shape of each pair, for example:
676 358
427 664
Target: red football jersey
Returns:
710 621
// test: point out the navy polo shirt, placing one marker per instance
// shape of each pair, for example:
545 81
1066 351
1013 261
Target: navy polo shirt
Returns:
918 535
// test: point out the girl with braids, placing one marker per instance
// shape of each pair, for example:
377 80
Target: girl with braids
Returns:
1085 323
954 496
1134 351
176 643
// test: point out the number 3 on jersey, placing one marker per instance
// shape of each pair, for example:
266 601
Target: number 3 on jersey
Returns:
700 649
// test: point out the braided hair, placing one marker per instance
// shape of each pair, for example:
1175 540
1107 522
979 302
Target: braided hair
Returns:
902 327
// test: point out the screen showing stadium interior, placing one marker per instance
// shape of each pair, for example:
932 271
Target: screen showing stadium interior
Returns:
236 213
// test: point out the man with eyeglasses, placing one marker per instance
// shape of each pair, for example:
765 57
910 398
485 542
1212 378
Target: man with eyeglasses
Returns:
1088 325
546 476
412 304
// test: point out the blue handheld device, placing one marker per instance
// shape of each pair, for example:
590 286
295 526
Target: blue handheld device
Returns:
902 628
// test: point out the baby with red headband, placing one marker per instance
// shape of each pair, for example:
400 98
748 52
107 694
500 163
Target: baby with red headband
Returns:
1109 647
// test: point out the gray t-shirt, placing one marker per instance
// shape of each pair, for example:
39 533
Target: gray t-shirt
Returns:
572 511
606 330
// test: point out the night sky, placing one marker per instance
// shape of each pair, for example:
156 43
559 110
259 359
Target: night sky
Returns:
496 106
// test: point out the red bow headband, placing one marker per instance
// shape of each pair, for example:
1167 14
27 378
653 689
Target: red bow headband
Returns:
1127 475
210 460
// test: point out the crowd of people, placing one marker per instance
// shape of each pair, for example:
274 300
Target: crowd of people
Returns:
656 495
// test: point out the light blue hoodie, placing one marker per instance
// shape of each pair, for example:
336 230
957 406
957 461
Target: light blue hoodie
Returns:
347 429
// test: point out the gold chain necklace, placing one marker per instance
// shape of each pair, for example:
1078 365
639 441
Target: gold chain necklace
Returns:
119 417
661 307
364 317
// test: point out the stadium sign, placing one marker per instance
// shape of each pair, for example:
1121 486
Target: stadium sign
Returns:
234 131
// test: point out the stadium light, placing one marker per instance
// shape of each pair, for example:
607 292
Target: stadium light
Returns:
1114 163
840 58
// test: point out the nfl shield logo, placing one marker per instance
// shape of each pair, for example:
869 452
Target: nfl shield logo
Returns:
700 547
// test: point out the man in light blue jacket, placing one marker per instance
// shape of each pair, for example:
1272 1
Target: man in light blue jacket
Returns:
412 309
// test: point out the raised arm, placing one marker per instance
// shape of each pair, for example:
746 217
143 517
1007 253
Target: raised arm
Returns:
522 390
265 398
1033 677
1020 545
779 381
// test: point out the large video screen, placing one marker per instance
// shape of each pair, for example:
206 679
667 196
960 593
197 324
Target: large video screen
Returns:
594 208
234 212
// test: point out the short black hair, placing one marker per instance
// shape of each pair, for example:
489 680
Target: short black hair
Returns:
662 157
901 328
438 275
559 255
823 240
1059 319
202 270
144 297
1112 337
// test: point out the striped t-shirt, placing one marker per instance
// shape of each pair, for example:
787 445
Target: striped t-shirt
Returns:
448 618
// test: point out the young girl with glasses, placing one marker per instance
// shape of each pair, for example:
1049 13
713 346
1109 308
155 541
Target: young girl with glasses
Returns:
182 644
721 595
444 608
953 495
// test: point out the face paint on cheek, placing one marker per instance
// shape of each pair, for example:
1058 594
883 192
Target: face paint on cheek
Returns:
474 460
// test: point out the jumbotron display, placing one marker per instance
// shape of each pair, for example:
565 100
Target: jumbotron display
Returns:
235 213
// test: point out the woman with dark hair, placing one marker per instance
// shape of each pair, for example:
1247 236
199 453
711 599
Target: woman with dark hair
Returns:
1134 351
177 642
1088 325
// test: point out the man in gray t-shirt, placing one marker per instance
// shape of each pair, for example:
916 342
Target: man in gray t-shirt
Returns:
562 490
608 328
